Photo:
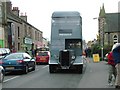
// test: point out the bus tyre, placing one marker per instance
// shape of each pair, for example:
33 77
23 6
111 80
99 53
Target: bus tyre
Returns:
51 69
79 69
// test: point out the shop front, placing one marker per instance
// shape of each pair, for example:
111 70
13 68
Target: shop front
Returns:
1 38
28 45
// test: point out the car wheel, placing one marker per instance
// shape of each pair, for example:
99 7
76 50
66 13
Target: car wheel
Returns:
26 70
33 68
1 77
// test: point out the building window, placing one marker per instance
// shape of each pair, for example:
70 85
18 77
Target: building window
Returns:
38 36
25 27
115 39
41 37
35 35
65 32
18 32
18 46
30 33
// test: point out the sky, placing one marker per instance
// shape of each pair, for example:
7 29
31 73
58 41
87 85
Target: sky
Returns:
39 13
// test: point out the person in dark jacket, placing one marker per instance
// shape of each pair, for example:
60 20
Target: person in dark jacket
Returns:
112 69
116 56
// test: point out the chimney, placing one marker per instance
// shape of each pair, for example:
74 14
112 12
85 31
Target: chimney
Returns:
9 6
24 17
15 11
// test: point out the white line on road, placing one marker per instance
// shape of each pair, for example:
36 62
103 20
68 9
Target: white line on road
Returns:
19 76
10 79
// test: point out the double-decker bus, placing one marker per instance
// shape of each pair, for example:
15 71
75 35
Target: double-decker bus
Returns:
66 42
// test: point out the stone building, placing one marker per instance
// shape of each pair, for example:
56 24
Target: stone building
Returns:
1 26
109 31
18 34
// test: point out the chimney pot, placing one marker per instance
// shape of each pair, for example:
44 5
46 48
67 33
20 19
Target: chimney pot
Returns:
16 11
15 8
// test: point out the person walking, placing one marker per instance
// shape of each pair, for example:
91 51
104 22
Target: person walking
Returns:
116 56
86 52
33 53
112 69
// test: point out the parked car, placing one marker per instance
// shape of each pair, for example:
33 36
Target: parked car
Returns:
2 73
42 57
4 52
19 61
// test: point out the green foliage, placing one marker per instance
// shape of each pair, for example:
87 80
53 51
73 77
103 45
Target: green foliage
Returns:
96 49
107 48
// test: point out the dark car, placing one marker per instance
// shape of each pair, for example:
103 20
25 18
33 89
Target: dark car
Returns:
18 62
42 57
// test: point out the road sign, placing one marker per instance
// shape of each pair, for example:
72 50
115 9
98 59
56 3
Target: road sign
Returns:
96 58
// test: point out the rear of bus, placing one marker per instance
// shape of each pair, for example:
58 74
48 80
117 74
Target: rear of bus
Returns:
66 41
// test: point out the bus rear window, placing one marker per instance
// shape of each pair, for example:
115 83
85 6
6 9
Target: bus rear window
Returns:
65 32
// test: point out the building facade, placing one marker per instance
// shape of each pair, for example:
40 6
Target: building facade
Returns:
109 31
1 26
16 33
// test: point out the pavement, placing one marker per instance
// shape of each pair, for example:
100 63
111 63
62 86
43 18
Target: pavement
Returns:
95 75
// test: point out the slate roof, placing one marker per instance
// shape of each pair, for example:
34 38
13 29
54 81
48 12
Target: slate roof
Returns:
112 22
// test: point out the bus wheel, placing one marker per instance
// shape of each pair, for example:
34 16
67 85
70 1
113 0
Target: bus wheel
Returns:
79 69
51 69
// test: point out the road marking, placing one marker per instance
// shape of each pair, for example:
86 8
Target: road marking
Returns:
37 69
19 76
10 79
45 66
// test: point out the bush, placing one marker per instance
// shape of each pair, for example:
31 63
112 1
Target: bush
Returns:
96 49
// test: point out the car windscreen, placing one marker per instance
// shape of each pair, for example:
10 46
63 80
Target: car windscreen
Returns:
43 54
14 56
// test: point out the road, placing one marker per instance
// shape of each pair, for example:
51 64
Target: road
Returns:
94 76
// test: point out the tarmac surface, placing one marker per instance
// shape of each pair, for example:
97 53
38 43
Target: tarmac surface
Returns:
95 75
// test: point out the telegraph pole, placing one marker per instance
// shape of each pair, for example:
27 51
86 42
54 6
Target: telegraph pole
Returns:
4 23
101 31
101 28
1 30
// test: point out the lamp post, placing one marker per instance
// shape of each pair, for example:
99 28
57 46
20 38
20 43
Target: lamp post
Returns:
102 43
102 28
1 31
